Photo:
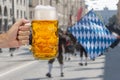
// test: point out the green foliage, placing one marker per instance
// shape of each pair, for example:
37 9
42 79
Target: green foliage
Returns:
112 20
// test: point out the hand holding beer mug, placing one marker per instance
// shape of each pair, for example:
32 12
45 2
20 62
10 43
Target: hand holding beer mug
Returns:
45 33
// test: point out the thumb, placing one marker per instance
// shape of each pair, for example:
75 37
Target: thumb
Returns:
21 22
14 29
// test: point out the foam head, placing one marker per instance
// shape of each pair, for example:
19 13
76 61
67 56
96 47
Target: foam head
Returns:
45 13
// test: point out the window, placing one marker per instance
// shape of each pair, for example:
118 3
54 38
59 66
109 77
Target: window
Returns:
30 3
17 1
10 1
10 12
17 13
21 2
5 11
0 11
0 24
5 24
0 19
21 13
24 2
31 14
24 14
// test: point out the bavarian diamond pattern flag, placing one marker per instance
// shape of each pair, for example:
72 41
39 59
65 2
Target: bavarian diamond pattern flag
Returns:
92 34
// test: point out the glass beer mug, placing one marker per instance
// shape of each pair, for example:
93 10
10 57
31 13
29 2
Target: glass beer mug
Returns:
45 33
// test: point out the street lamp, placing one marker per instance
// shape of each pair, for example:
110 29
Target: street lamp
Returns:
13 21
13 18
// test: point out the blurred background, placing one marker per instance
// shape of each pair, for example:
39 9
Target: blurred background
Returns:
24 67
69 11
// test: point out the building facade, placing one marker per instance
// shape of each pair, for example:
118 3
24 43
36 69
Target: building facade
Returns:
118 13
11 11
66 9
105 14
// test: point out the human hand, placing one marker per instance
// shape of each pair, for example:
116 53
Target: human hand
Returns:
118 37
19 33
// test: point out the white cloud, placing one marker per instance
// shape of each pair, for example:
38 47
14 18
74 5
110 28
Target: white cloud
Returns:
100 4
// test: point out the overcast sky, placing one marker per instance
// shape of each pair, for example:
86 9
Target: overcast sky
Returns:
100 4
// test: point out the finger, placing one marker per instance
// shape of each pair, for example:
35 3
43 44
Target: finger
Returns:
23 37
24 33
28 24
24 28
24 42
21 22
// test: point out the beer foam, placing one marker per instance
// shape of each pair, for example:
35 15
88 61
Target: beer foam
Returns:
45 13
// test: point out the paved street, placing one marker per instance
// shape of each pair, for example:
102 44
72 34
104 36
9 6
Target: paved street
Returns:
22 66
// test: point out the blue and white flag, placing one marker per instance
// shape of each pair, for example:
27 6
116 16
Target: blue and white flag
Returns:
92 34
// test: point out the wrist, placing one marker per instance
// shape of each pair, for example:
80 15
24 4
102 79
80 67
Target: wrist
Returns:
6 37
4 40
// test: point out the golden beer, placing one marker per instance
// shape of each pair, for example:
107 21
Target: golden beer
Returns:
44 38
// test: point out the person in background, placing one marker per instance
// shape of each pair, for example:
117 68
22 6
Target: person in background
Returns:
16 36
0 48
11 50
118 37
62 42
82 51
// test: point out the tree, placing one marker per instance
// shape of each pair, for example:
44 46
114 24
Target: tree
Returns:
112 20
112 25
